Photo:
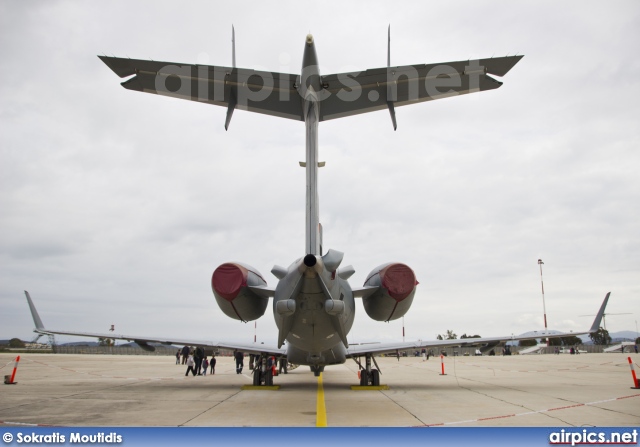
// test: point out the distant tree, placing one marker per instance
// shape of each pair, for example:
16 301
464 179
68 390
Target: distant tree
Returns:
469 336
105 342
571 340
16 343
450 335
439 337
531 342
601 337
638 341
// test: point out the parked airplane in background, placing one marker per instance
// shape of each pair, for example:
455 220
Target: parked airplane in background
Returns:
313 303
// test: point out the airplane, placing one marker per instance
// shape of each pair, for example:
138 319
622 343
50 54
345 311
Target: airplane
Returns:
313 302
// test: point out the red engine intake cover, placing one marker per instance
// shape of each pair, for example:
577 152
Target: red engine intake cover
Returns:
399 280
228 279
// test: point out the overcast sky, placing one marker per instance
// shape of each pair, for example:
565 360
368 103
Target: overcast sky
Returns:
116 206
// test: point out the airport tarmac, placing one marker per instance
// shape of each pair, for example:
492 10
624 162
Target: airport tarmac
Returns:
515 391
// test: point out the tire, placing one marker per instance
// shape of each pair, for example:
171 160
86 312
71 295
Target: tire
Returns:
375 377
268 380
256 377
364 378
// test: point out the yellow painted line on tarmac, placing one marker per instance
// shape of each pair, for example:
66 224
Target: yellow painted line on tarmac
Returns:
321 411
260 388
370 387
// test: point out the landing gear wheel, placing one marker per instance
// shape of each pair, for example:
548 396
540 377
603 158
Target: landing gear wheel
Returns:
256 377
268 380
375 377
364 377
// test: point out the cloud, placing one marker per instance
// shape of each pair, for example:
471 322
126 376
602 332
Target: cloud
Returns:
118 205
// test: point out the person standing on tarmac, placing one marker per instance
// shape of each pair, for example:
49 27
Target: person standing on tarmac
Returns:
190 365
199 355
239 361
205 365
282 365
185 354
212 364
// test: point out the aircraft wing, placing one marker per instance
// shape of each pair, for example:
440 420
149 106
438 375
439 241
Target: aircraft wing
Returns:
264 92
370 90
382 348
143 341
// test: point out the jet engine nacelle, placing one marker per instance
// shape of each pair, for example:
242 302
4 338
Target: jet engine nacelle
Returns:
231 284
396 287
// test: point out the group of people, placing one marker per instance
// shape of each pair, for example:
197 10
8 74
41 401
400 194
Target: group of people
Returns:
426 354
196 361
572 350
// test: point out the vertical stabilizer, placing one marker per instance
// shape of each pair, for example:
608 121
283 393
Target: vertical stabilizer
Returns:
389 46
311 109
233 46
231 92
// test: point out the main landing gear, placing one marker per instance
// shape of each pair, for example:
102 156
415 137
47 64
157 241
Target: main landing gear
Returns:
368 376
262 373
262 378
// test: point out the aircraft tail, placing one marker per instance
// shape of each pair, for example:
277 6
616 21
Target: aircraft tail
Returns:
392 110
232 91
233 46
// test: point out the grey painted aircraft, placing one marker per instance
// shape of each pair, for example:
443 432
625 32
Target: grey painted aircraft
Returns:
313 303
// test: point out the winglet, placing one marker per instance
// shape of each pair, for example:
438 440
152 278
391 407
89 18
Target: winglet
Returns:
34 313
596 323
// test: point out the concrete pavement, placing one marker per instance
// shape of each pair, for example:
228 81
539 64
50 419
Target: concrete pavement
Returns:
534 390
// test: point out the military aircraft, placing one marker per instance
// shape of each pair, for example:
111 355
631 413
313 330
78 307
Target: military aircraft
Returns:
313 303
